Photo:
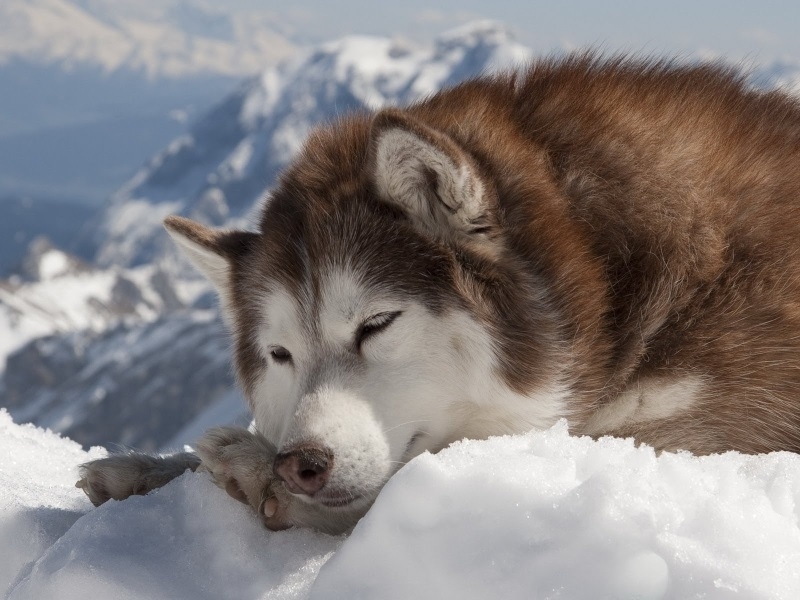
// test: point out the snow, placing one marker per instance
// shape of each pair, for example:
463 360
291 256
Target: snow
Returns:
551 516
261 100
234 166
45 307
38 499
67 300
542 515
52 264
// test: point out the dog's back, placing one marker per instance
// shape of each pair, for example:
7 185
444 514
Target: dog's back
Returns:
661 207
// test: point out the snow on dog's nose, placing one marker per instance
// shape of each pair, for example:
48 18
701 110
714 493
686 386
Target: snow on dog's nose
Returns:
304 469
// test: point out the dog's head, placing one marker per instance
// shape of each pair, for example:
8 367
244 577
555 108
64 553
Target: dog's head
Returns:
377 313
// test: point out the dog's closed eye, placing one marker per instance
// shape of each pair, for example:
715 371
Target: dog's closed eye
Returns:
374 325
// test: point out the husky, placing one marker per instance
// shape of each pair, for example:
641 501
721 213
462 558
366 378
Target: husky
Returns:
613 242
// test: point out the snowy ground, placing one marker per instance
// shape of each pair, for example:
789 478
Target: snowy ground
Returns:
543 515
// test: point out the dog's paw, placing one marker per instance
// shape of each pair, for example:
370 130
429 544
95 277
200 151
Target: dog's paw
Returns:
119 476
240 462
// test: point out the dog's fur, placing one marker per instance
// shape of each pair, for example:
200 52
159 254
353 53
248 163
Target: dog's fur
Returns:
613 242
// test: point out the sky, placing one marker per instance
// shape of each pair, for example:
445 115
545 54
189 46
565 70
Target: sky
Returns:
758 31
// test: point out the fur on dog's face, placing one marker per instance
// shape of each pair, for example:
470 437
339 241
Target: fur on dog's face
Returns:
358 312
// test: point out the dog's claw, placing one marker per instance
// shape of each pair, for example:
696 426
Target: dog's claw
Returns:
270 507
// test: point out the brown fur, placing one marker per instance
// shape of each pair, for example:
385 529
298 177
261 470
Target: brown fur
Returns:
642 221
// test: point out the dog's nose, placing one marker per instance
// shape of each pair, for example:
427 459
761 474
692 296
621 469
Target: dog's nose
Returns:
304 469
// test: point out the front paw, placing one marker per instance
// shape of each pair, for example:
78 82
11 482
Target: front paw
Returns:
119 476
240 462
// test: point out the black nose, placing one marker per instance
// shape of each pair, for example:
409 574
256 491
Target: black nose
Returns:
304 469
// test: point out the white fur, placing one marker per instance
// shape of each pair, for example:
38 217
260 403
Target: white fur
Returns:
426 379
282 325
649 399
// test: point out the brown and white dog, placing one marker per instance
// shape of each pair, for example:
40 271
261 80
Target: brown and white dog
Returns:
614 242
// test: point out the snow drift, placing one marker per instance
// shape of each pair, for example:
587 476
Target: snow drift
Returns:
542 515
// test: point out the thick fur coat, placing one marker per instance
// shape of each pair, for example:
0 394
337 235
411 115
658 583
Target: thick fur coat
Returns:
613 242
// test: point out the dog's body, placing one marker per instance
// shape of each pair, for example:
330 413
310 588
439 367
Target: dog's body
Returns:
614 243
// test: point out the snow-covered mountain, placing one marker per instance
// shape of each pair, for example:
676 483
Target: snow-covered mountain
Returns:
62 295
83 351
170 39
227 161
25 219
92 88
120 386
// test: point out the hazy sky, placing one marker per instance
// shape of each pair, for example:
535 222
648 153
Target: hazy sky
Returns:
761 31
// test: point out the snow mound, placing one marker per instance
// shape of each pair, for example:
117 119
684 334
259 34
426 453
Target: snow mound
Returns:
38 498
547 515
187 540
542 515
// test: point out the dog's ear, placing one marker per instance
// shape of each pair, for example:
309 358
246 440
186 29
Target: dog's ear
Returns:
211 251
428 175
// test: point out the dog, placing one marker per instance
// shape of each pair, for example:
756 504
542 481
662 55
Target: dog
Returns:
614 242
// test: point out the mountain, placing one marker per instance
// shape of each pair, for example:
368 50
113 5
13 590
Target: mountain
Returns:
83 351
92 88
60 294
25 219
229 158
119 386
167 39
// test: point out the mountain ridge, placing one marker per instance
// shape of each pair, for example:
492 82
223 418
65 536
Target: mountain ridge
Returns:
160 42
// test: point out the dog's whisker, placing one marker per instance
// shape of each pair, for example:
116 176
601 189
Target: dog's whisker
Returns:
385 431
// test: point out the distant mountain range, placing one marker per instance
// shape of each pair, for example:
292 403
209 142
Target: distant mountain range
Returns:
129 349
92 88
167 39
24 219
228 159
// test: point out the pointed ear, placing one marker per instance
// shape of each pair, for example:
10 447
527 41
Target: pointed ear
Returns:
429 176
211 251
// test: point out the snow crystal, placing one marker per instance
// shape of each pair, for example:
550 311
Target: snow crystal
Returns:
542 515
